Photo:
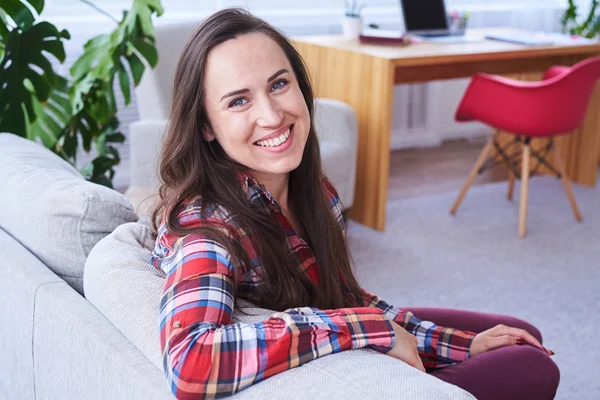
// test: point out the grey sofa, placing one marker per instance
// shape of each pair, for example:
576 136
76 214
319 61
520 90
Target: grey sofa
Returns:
61 237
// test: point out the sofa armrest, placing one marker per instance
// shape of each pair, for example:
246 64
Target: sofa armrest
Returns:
335 120
146 139
337 128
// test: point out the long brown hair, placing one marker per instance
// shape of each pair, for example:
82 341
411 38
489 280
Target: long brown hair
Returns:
190 166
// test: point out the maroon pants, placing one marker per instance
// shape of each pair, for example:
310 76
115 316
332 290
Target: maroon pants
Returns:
511 372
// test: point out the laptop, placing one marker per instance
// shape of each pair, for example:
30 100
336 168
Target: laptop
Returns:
426 18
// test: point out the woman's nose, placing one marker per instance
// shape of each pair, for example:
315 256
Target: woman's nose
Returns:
269 113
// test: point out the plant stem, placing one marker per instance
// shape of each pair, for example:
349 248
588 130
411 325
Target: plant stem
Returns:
101 11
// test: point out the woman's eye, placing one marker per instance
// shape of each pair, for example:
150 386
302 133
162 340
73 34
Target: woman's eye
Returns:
279 84
237 102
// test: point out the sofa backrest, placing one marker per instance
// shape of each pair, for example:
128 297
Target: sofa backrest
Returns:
50 209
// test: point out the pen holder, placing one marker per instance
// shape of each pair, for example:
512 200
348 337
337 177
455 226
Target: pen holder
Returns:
351 27
457 25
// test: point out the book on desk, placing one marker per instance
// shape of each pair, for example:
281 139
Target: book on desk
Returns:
384 36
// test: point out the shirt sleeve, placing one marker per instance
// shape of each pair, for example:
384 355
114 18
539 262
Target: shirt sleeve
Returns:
438 346
206 355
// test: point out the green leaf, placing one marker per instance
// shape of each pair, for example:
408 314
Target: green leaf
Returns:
19 13
154 5
20 68
124 82
56 48
40 85
103 164
14 121
102 180
67 143
38 5
88 170
94 49
136 66
147 49
79 90
144 17
4 24
45 128
114 153
116 137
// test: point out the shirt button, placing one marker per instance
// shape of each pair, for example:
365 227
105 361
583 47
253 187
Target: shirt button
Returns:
176 324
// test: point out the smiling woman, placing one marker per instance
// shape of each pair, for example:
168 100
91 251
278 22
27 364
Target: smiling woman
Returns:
265 124
246 212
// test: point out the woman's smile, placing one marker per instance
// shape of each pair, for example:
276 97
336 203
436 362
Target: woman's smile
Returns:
279 143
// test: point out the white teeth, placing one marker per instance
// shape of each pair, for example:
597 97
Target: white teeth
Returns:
277 141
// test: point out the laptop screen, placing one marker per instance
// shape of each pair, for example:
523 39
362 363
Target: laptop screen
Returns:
421 15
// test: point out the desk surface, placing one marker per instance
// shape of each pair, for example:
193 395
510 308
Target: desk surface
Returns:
424 53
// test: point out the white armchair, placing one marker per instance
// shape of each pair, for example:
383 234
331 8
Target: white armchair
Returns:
335 122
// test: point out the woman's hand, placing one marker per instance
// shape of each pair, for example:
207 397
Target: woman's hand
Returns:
500 336
405 348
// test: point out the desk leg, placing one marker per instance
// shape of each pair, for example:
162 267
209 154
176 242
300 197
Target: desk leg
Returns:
366 83
374 110
580 151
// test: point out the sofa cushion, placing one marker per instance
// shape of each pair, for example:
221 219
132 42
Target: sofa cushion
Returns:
122 283
49 208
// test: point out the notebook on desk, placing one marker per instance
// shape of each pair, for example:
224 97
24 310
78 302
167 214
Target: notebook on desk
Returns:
527 38
540 38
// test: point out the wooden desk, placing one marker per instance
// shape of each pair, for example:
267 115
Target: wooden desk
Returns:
364 76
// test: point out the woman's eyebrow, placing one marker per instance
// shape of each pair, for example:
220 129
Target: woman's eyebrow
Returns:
276 74
240 91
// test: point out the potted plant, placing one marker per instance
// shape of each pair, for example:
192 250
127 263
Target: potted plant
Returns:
352 22
64 113
589 27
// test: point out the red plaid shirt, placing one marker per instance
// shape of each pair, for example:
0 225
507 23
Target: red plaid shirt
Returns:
207 355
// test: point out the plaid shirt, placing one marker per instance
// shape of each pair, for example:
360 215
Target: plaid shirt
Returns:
206 355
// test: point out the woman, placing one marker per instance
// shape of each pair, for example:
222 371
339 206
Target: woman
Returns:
247 213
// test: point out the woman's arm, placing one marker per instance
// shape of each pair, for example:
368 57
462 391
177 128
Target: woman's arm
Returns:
438 346
206 355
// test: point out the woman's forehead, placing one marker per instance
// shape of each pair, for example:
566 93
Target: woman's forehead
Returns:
250 56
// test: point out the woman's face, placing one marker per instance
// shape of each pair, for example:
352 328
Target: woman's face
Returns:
255 106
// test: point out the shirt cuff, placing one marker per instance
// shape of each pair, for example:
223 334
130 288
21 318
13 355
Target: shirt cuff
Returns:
369 327
452 345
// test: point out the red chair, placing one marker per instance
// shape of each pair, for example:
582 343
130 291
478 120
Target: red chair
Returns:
554 106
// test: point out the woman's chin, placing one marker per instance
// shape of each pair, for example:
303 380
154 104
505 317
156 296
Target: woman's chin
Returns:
280 168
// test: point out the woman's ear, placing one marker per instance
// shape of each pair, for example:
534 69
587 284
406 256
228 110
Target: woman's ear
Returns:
207 135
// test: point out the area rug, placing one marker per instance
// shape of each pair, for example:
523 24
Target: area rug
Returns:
475 260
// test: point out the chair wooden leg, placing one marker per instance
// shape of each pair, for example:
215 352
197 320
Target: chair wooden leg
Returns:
511 184
565 181
511 181
524 190
482 157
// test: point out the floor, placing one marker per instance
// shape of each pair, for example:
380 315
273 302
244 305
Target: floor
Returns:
417 172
